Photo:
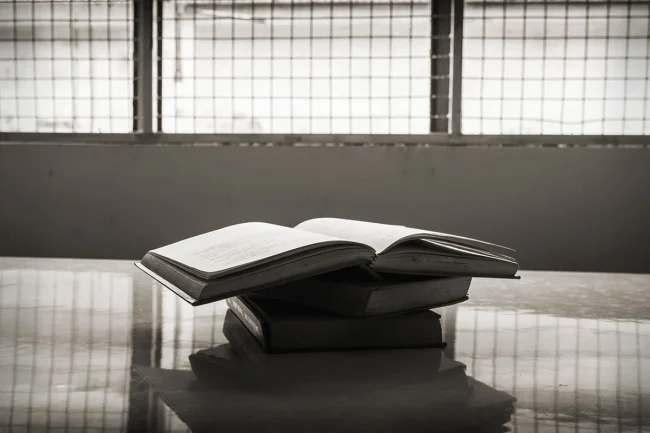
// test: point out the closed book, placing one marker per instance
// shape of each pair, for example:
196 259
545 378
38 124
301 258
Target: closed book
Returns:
289 369
360 291
282 327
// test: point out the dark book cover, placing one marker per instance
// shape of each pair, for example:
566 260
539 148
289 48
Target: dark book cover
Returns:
359 291
247 358
284 327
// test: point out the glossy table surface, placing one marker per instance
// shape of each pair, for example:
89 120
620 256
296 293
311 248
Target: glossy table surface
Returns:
573 348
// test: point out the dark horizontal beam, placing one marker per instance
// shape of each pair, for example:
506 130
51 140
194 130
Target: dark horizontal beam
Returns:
324 139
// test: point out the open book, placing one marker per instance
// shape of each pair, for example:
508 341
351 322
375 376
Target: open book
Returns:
243 257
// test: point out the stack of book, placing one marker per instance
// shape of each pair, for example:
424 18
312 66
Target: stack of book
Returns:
328 283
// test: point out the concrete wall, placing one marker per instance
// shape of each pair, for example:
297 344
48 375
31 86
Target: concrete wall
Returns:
568 209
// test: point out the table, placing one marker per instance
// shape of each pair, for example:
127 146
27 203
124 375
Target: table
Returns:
573 348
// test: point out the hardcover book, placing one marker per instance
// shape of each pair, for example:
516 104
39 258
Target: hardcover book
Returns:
285 327
252 256
246 352
359 291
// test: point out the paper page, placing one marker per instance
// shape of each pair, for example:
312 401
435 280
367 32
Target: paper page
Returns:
378 236
469 250
238 245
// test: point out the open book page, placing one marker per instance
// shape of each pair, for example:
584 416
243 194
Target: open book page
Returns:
236 246
379 236
467 250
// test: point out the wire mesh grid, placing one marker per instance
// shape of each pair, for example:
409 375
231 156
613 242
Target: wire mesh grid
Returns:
556 67
326 67
295 67
66 66
62 379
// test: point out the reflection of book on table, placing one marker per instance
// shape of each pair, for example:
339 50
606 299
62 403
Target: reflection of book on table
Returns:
365 404
249 256
239 387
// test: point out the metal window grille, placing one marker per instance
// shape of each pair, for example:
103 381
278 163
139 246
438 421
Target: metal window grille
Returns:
409 68
295 67
66 66
556 67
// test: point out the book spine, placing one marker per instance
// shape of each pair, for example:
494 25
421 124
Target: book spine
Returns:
246 316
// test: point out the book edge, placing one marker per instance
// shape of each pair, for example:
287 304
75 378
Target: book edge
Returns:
182 294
